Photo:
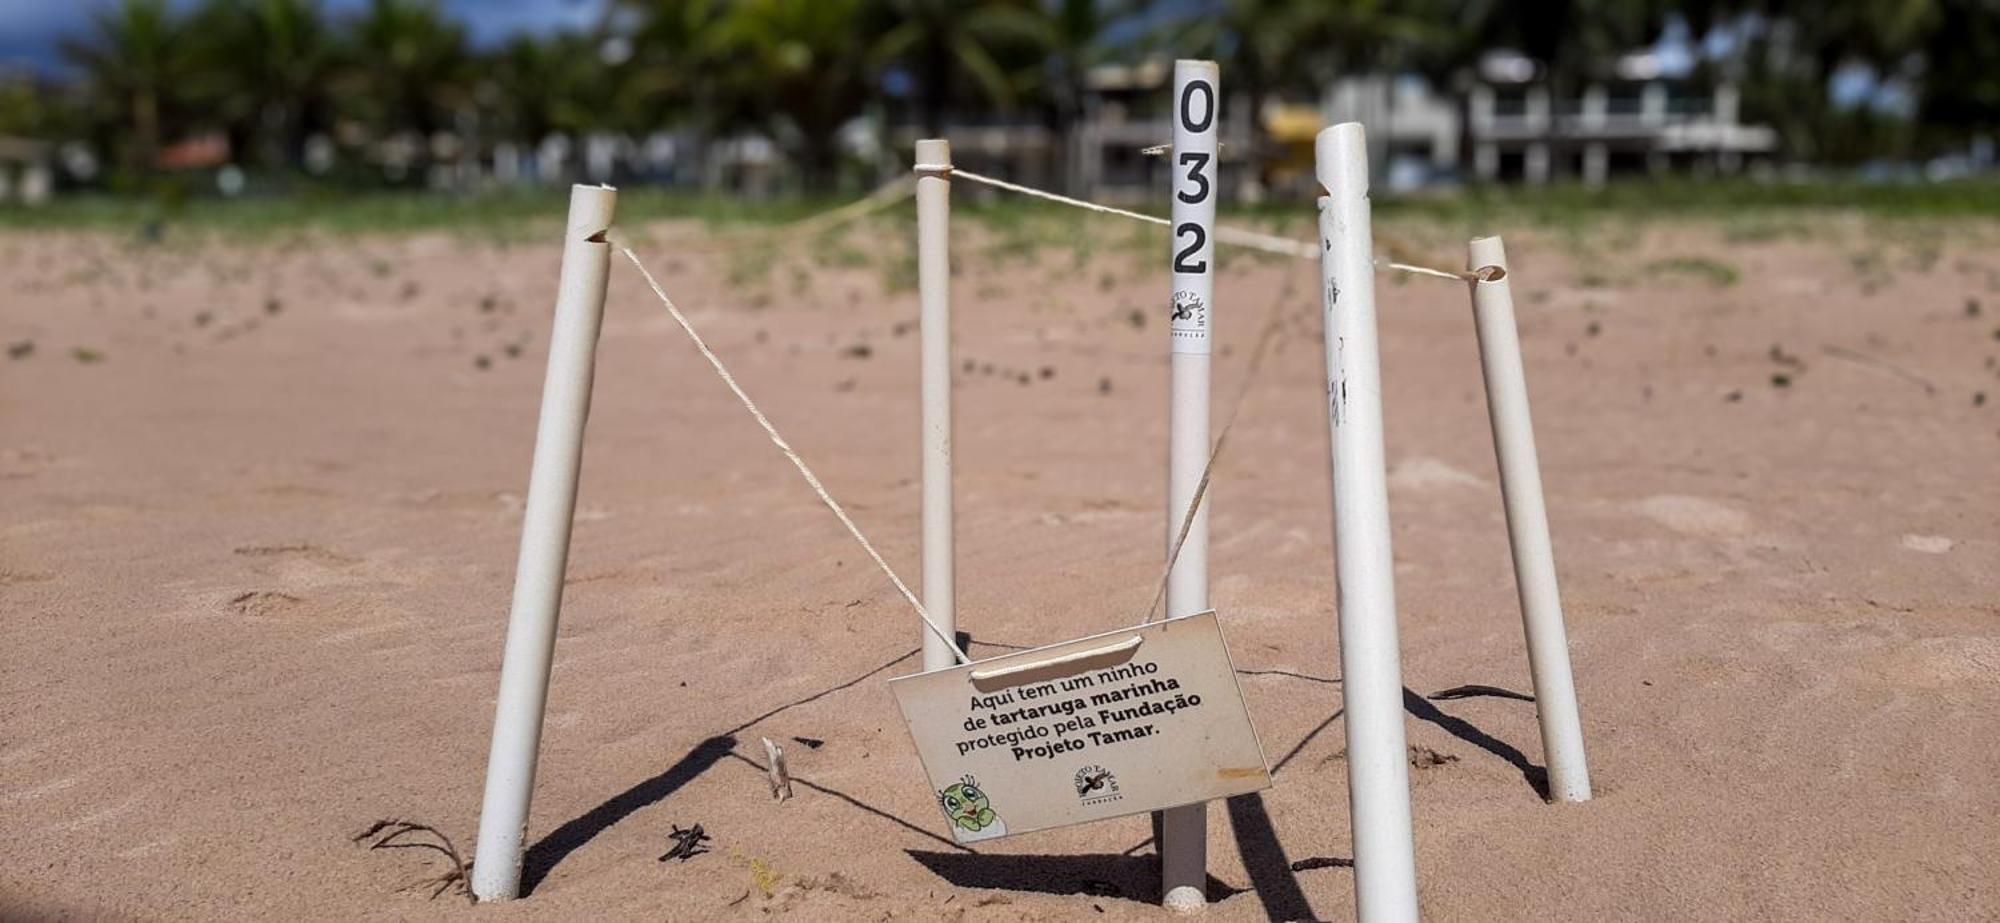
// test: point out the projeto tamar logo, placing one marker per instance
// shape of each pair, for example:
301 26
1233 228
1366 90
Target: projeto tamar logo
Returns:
1188 307
1096 785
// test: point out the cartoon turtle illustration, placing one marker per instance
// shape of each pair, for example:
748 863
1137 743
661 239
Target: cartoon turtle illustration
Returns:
970 811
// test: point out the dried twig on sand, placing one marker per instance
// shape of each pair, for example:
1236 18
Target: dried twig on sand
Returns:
781 778
403 834
687 843
1842 352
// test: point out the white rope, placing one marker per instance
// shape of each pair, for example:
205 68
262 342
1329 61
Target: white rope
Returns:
1240 237
895 191
884 196
1427 271
1272 326
721 370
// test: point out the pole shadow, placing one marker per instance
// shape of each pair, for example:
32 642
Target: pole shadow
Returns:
1536 776
823 693
1264 858
1303 741
1476 691
1132 878
556 846
905 823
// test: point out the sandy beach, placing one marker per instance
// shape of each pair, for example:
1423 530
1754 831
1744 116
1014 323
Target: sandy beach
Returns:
262 503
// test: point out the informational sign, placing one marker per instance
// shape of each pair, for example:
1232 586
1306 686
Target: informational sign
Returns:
1120 723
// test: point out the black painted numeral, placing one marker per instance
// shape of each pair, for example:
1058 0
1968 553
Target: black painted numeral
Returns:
1184 261
1207 107
1196 162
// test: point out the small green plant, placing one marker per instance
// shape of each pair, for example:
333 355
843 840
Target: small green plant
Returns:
1715 272
763 877
841 255
899 270
749 268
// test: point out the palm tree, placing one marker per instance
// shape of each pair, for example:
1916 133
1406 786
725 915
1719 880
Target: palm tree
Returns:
136 61
411 70
536 86
272 65
675 73
1961 93
938 41
1077 41
1883 35
524 88
33 108
796 70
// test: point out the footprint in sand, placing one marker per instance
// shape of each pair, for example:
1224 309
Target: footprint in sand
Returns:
1427 758
264 603
1694 515
305 550
24 463
1940 663
1928 544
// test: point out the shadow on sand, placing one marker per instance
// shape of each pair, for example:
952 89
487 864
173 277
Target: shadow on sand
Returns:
1264 858
1130 875
558 844
1132 878
1536 776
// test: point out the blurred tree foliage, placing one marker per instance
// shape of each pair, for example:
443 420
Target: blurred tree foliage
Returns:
401 74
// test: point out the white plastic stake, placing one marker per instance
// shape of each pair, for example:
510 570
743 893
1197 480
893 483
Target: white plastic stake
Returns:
1527 521
545 533
934 291
1378 777
1184 830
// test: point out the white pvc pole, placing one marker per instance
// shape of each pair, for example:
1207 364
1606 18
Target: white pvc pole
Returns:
545 532
1527 521
1184 830
934 291
1378 778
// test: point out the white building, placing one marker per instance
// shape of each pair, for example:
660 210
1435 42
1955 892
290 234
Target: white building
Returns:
1640 121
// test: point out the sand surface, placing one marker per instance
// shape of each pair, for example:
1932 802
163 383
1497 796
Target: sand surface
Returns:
259 536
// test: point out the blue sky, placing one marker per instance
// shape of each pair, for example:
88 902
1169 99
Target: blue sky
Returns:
30 29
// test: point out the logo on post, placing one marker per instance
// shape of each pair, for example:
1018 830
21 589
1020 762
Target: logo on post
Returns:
1096 785
1188 306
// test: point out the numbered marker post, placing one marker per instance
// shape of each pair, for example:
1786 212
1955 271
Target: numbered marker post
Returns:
545 531
1183 831
1378 775
934 292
